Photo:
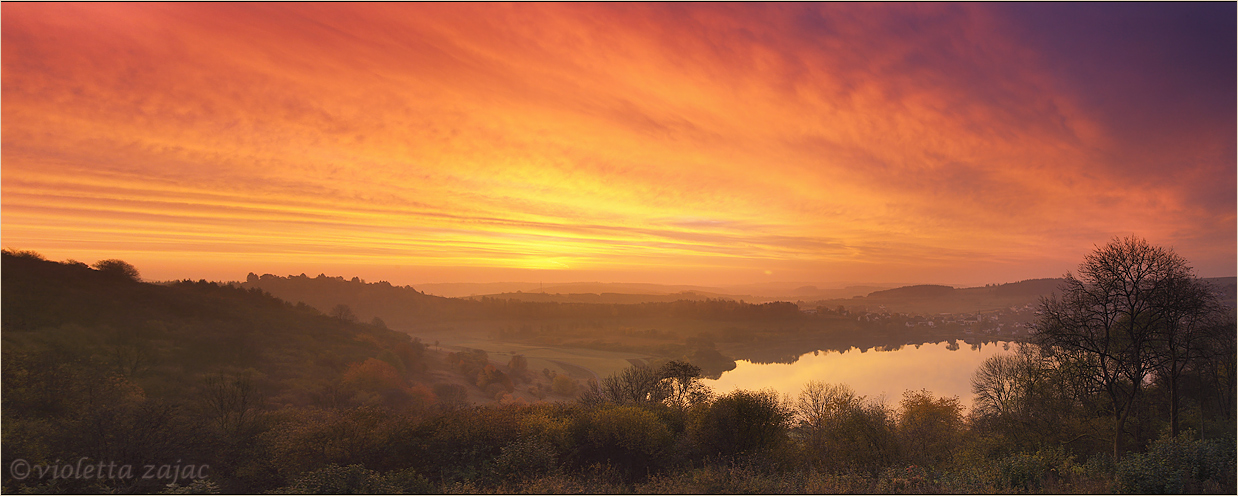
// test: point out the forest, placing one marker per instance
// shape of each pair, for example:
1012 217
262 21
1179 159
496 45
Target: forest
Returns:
202 387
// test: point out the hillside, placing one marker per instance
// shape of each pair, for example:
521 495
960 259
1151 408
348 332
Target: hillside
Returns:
930 299
936 299
398 306
165 338
1227 289
918 291
405 307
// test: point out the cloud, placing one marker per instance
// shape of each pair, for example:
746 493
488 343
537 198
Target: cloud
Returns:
824 137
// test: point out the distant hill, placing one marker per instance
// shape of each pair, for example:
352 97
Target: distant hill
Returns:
919 291
1028 288
405 307
166 337
928 299
1227 289
931 299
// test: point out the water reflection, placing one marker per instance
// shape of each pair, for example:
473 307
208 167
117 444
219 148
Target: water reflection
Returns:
942 368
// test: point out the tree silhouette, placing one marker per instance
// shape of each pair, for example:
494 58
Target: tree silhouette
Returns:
343 313
1109 322
117 268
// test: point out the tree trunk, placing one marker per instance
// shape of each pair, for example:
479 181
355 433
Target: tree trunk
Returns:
1173 407
1119 420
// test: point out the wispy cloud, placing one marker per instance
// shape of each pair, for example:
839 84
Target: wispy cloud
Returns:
818 139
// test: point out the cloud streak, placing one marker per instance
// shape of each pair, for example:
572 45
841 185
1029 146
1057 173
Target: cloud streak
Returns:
884 142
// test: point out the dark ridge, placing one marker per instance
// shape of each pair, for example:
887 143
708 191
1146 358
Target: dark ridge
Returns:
918 291
1030 287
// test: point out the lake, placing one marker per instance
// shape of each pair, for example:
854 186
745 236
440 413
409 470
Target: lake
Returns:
871 373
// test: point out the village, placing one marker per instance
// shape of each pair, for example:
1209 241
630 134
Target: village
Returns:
1011 322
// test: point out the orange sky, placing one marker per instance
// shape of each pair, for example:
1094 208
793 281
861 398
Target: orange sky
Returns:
684 143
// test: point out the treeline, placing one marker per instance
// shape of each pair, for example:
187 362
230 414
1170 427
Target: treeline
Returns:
402 305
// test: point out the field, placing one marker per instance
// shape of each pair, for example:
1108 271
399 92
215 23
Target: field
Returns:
578 363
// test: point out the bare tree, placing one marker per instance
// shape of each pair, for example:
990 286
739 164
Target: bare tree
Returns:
841 430
132 351
230 400
1190 309
682 382
675 383
1108 322
634 385
1001 384
343 313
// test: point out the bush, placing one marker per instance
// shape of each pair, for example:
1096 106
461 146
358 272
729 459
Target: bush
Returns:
912 479
451 396
461 445
564 385
630 438
408 481
334 479
844 432
728 479
930 428
1031 471
117 268
373 374
1177 465
525 459
553 424
740 423
356 479
301 440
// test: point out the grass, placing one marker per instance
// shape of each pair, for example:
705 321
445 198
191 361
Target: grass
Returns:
564 360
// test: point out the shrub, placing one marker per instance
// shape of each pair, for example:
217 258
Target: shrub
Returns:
912 479
356 479
1176 465
630 438
930 429
390 358
408 481
373 374
491 375
740 423
462 444
844 432
197 486
1031 471
564 385
117 268
524 459
451 396
301 440
334 479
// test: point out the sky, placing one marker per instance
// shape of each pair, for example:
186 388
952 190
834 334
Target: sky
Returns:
693 143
